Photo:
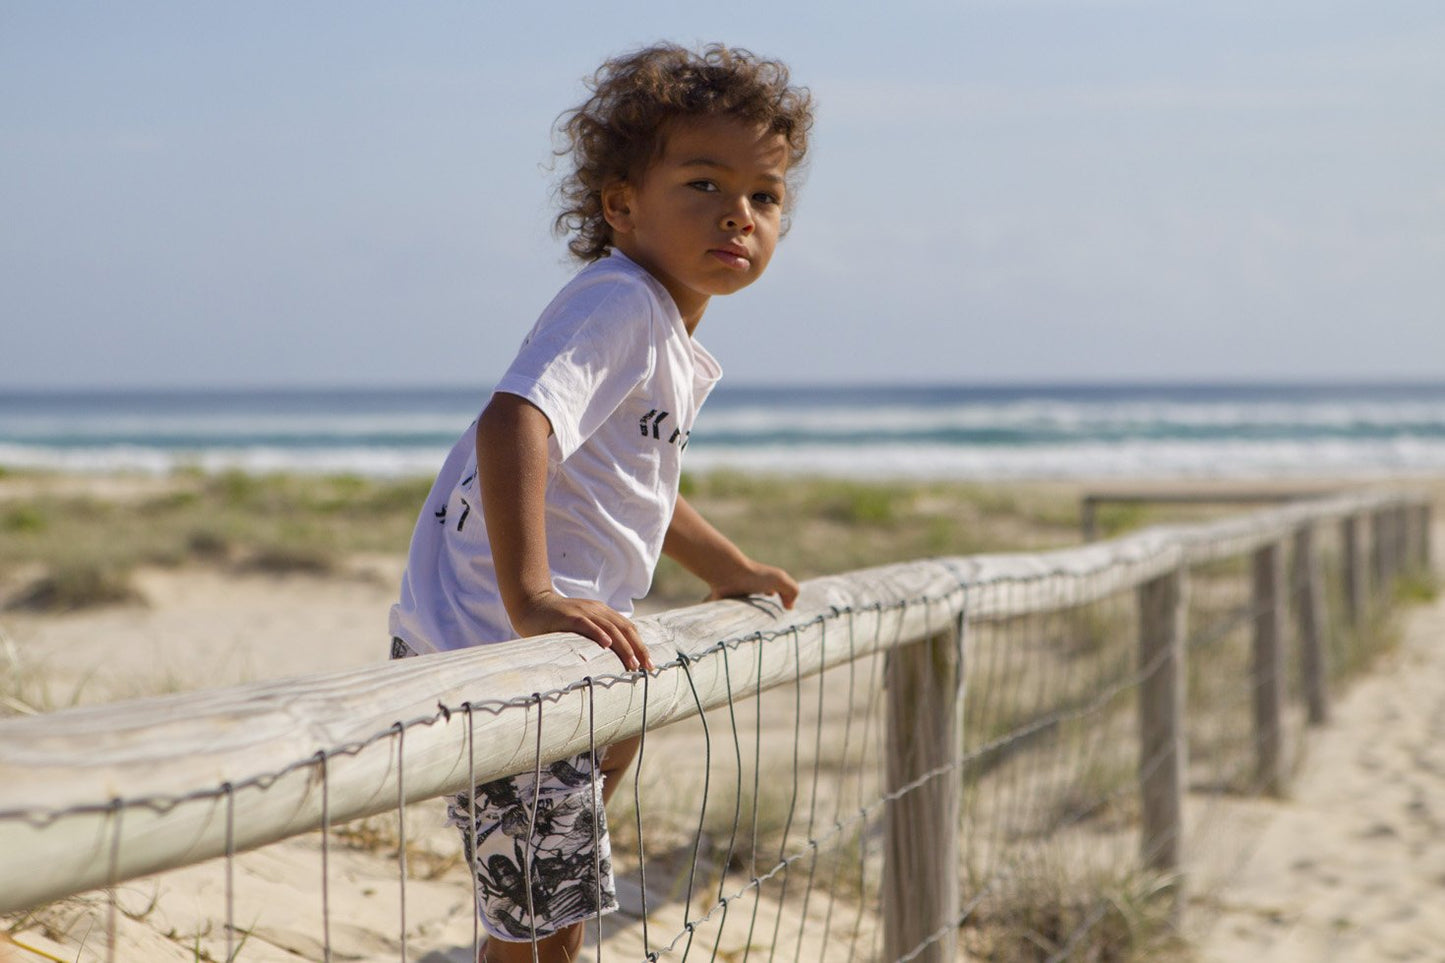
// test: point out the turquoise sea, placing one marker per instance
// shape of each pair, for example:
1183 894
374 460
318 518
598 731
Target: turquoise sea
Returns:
936 431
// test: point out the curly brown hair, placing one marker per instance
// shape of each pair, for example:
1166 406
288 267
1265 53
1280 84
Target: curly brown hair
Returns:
620 130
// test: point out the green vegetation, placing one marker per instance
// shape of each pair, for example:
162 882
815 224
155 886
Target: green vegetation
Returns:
86 545
1416 588
229 514
70 585
1052 912
22 520
1117 518
63 552
70 548
816 526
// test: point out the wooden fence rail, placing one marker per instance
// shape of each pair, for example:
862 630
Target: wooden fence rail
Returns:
91 797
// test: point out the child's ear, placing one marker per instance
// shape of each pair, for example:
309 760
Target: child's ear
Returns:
617 205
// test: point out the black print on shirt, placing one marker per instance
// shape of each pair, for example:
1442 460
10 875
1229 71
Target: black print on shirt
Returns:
651 426
654 420
441 513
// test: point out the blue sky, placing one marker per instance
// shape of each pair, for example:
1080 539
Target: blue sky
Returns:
351 193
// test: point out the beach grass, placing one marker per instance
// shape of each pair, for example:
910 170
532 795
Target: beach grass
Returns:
66 548
1057 912
823 526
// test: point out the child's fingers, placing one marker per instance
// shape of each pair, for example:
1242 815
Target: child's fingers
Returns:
788 591
634 655
762 581
783 585
591 620
628 645
786 587
611 630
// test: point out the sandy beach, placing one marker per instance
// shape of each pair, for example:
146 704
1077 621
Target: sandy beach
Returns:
1351 865
1348 867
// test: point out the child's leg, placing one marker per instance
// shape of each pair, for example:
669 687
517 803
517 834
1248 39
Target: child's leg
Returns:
615 760
539 853
564 945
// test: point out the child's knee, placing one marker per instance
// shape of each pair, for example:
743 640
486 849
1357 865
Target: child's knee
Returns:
563 946
618 756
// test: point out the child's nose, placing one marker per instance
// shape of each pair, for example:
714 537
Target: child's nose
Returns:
739 219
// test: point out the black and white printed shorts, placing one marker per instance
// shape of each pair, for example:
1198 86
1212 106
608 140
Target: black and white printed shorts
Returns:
538 849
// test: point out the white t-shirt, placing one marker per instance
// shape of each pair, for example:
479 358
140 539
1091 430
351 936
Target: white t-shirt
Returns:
613 368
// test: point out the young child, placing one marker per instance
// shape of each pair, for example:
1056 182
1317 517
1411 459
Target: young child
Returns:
551 515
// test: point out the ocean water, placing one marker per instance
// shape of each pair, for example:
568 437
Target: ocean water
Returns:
976 433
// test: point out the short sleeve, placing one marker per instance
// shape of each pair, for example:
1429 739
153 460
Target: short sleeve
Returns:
588 351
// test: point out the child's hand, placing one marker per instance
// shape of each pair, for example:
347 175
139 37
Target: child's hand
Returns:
550 612
756 579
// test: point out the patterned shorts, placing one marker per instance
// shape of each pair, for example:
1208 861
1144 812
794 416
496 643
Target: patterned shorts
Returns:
550 833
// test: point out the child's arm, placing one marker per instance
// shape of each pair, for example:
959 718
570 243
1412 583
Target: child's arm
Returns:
707 553
512 432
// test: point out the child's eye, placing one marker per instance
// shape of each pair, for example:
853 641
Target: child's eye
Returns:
705 186
763 197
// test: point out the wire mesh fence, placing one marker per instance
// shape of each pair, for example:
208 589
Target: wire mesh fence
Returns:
783 774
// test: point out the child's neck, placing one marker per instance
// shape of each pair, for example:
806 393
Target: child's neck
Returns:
690 304
691 323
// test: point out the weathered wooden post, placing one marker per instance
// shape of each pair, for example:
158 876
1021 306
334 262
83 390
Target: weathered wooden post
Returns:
1409 538
921 854
1270 604
1310 618
1162 749
1089 518
1404 554
1355 576
1405 519
1379 555
1422 540
1427 529
1394 542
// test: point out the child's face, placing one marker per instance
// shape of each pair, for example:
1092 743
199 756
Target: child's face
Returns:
705 217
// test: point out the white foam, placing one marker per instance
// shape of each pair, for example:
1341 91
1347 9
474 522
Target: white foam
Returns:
373 462
1131 459
1073 417
1135 459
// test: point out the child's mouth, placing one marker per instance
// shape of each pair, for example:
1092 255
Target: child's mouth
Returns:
730 258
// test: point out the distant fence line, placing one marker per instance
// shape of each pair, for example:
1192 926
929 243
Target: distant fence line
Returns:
93 797
1091 502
